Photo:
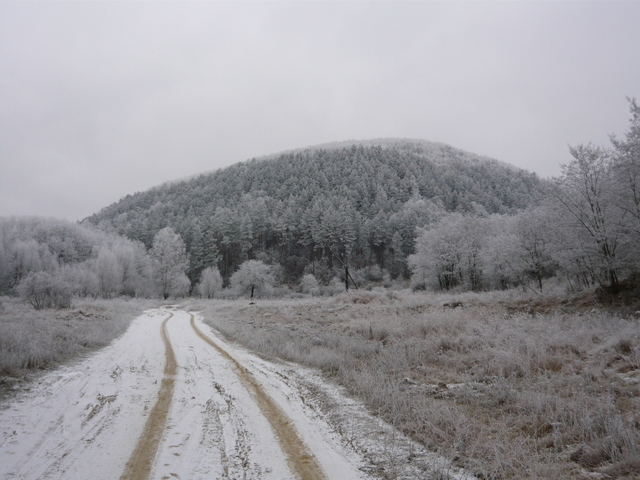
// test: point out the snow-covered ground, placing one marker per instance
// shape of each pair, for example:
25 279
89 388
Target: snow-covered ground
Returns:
231 415
83 420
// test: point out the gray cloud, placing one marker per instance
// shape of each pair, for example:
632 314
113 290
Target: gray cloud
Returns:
104 99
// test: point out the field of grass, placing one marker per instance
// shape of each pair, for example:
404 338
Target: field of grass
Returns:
495 384
33 340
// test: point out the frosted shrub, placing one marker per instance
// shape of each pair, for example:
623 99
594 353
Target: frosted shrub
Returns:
335 286
31 340
309 284
45 290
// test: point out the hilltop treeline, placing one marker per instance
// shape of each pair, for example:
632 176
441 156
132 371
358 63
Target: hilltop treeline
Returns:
359 215
320 210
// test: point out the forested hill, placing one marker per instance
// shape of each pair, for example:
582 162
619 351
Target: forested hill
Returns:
318 207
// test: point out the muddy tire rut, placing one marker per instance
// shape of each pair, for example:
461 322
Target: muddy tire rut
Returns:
139 465
299 458
188 407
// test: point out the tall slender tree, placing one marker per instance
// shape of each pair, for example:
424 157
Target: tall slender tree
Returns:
170 263
584 191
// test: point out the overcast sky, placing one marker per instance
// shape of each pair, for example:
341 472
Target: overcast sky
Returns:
98 100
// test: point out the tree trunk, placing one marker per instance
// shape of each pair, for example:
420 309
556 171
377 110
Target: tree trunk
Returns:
346 276
613 279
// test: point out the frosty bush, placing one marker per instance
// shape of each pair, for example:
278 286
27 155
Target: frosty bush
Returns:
309 284
45 290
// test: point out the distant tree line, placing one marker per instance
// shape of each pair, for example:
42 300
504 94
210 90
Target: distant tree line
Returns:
324 220
49 261
585 230
349 213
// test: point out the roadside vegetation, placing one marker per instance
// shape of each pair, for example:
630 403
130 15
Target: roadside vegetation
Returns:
505 386
34 340
522 362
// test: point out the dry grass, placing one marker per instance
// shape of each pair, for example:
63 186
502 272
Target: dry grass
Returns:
32 340
504 393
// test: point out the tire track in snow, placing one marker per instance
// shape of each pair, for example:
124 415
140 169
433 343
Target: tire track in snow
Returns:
299 458
139 465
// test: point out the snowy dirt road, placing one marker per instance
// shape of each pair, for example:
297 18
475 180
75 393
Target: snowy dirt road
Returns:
171 400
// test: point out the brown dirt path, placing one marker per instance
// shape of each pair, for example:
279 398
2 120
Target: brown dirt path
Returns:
139 465
301 461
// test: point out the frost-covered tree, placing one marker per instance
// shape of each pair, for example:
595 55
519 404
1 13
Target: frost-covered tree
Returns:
498 253
416 213
336 232
626 172
253 277
521 248
180 286
125 253
210 282
585 193
109 272
82 278
170 263
449 253
31 256
534 253
626 166
90 261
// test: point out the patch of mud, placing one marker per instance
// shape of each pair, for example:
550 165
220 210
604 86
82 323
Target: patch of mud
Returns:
101 401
